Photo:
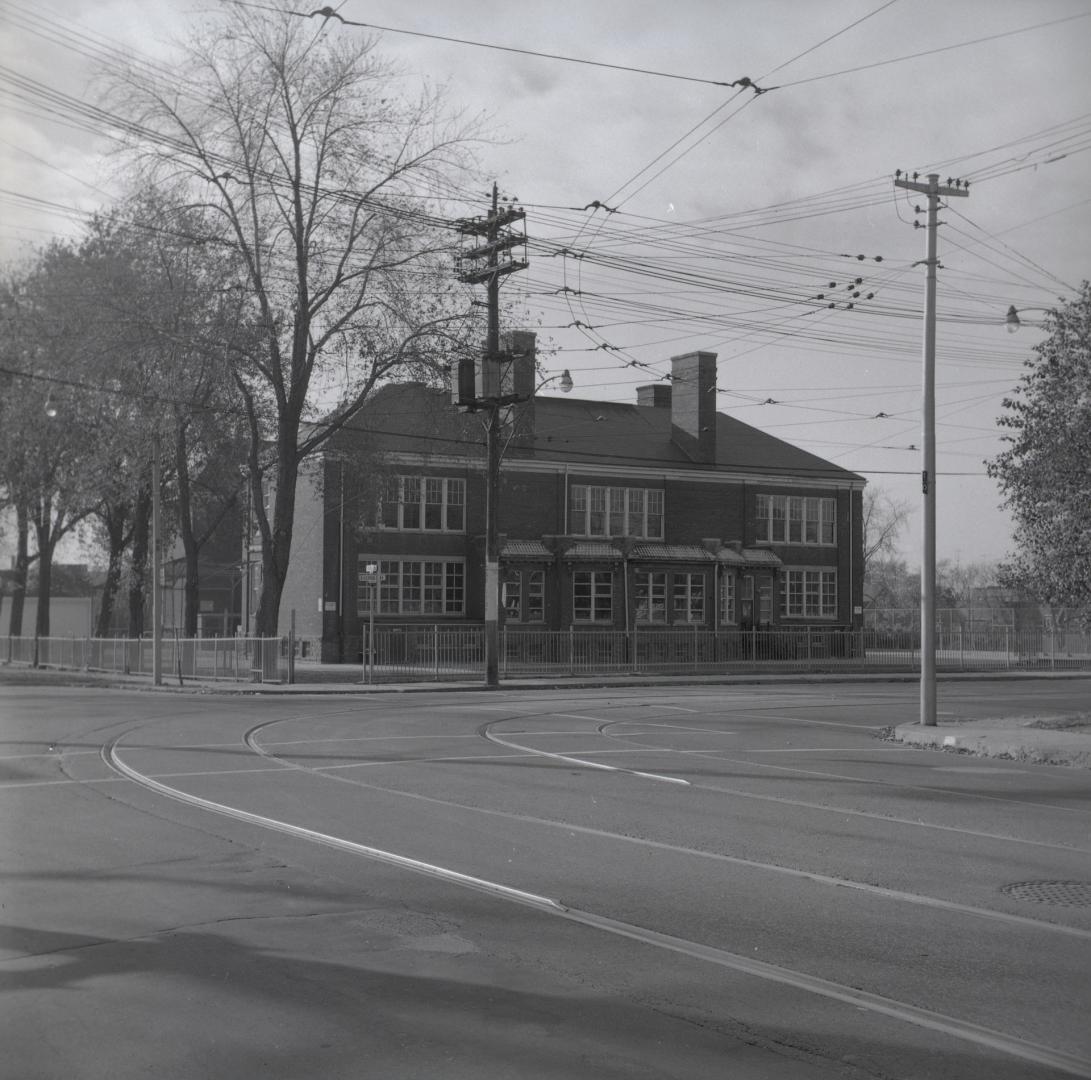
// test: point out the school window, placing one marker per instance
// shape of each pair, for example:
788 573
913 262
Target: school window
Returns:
765 603
794 519
810 594
650 597
412 587
728 585
595 510
424 504
593 596
688 598
523 596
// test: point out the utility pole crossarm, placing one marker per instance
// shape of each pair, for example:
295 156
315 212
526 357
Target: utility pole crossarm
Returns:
928 189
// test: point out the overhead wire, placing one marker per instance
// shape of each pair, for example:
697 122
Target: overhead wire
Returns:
835 202
933 52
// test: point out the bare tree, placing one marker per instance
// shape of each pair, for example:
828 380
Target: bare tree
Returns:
884 520
323 182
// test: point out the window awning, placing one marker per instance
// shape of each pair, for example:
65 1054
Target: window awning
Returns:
586 551
761 557
748 557
528 550
671 553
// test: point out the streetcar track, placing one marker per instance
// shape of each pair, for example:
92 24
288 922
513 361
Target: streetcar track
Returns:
901 1011
826 879
718 755
696 785
740 793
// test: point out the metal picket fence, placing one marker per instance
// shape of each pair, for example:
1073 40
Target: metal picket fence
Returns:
415 653
233 659
412 653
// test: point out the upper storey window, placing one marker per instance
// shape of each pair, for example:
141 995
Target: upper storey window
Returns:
615 511
795 519
424 504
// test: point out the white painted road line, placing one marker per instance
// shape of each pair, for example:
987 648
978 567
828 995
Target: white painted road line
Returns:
492 737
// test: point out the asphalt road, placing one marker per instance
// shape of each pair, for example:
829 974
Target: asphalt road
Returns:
740 882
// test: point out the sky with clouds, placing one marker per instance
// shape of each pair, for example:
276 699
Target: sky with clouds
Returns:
733 210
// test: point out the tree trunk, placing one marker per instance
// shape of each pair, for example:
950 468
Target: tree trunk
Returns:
142 524
20 570
114 517
190 546
43 535
276 548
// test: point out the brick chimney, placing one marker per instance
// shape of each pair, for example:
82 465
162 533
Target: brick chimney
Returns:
693 404
657 395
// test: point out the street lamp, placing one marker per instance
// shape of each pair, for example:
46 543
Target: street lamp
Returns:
565 382
1012 320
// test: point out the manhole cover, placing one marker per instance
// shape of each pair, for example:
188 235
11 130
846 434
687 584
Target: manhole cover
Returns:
1066 893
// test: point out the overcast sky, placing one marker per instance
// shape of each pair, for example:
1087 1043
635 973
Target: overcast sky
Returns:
734 210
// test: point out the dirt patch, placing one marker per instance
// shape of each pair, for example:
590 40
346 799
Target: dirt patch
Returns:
1079 722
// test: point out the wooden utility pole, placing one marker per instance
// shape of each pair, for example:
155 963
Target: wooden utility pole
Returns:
479 386
934 190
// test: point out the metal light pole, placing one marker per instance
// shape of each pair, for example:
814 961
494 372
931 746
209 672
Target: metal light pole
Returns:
157 529
933 189
370 577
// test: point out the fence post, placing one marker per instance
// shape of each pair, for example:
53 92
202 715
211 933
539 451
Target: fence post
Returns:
571 649
1052 649
1007 645
291 649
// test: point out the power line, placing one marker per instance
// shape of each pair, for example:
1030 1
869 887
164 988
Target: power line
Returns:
328 13
933 52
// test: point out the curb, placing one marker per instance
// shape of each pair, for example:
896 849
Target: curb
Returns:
1013 740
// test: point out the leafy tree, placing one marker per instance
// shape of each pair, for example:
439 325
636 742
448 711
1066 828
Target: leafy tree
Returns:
45 429
14 496
184 315
1045 472
320 183
148 301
